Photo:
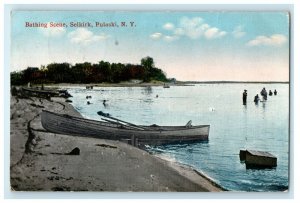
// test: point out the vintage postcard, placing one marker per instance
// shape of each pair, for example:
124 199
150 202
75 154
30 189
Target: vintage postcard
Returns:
149 101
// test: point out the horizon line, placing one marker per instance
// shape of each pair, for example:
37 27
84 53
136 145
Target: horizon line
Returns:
229 81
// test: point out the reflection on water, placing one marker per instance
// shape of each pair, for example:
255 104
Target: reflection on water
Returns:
264 105
233 126
147 90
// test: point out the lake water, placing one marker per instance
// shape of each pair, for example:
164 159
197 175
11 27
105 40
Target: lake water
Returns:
233 126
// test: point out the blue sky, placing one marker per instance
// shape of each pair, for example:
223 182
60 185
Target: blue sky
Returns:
200 46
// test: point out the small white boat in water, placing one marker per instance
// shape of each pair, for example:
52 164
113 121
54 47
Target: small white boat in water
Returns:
166 85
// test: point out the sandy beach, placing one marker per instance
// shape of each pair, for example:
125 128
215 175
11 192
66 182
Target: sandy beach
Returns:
40 160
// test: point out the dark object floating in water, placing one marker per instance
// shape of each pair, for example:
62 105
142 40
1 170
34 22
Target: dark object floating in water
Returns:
88 97
242 155
89 87
117 130
75 151
88 102
258 159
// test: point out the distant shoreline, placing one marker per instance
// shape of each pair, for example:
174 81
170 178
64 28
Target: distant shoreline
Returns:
157 84
250 82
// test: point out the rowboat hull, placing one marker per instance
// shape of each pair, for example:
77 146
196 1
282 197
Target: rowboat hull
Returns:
153 135
46 93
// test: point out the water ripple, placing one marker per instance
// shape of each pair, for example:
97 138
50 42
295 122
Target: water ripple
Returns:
233 126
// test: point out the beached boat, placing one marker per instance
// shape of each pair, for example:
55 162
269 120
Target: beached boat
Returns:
153 135
46 93
36 91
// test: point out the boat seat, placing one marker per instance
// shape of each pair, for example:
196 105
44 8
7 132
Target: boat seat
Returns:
189 124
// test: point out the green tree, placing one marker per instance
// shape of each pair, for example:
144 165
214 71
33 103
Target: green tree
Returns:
16 78
78 73
89 73
105 70
59 72
157 74
116 72
147 62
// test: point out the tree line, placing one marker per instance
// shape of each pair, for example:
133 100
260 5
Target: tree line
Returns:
89 73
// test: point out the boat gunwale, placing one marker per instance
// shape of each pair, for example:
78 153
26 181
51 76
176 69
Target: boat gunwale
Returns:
40 91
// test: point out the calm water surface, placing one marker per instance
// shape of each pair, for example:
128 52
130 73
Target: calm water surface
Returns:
234 126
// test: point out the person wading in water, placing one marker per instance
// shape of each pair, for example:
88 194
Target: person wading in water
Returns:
244 97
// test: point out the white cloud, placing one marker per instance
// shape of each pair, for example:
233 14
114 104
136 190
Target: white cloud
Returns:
168 26
238 32
156 35
85 37
273 40
205 26
191 22
169 38
193 28
52 31
213 33
179 31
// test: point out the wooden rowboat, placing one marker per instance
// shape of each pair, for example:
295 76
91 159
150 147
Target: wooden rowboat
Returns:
33 91
153 135
46 93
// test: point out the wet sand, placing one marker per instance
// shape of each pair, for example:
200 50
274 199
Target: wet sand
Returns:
39 159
